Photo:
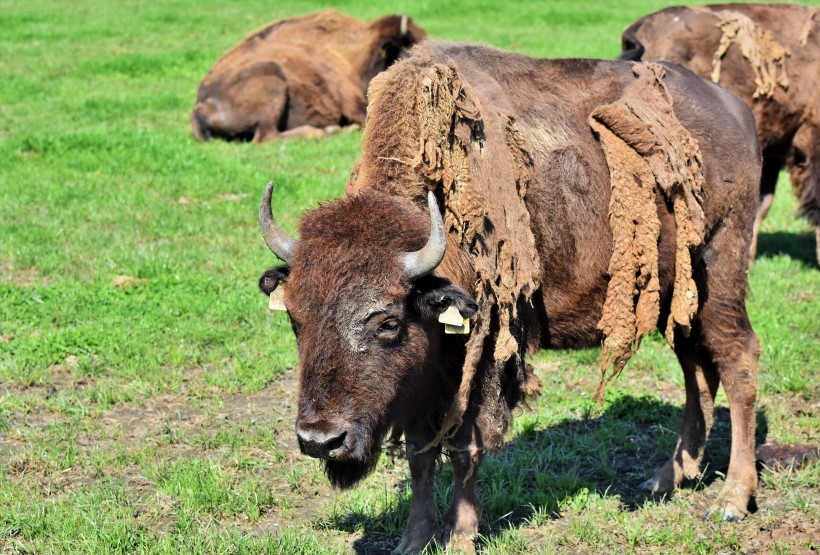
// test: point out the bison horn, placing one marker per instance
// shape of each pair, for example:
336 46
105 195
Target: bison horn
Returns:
280 243
403 26
422 262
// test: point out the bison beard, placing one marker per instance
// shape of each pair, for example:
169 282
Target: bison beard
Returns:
345 475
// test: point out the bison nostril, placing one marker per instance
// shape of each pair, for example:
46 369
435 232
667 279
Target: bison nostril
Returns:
336 442
320 444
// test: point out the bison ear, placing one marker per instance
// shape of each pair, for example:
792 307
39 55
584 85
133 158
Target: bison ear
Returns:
433 295
272 277
397 34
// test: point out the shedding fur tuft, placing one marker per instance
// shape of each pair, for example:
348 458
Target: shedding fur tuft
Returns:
648 152
765 54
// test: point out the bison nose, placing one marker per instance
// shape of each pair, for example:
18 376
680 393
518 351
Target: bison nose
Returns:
321 443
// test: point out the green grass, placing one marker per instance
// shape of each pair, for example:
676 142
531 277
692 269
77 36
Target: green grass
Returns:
156 416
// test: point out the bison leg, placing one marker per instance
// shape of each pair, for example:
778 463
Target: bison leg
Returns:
462 518
768 184
738 375
266 133
304 132
803 164
422 524
701 380
721 347
726 337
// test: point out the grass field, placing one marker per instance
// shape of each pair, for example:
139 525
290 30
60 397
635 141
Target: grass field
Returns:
146 395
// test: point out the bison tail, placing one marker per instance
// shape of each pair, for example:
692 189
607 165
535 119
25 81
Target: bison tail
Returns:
631 47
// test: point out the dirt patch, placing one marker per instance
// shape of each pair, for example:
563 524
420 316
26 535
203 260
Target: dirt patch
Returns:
22 277
127 282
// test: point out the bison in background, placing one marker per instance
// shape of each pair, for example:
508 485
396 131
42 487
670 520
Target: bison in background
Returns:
300 77
768 55
524 203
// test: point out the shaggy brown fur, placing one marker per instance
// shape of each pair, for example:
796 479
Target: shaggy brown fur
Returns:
769 55
507 144
304 76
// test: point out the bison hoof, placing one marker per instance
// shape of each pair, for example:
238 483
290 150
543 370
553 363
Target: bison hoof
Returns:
412 545
728 513
655 486
460 544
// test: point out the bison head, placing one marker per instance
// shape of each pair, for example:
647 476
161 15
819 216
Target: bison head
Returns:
392 37
364 305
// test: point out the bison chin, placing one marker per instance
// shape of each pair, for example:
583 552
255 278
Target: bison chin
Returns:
346 474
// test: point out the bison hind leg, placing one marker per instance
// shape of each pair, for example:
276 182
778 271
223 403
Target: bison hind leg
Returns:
701 382
722 348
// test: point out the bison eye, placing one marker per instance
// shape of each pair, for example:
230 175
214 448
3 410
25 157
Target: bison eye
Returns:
388 329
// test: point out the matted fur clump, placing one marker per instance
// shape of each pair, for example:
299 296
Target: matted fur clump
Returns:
764 53
445 145
647 149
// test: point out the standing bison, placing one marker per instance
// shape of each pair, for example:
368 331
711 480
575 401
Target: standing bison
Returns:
768 55
299 77
570 202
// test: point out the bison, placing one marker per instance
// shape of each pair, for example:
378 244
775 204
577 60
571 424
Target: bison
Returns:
768 55
299 77
570 202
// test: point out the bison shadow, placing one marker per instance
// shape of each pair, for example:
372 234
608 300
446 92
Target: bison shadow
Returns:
546 470
797 246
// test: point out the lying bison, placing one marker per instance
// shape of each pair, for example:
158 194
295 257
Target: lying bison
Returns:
570 202
769 55
299 77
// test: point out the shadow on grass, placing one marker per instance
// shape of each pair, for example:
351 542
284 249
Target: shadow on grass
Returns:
544 471
797 246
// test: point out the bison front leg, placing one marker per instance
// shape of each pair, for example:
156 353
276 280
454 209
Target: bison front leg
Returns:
304 132
422 524
462 518
701 380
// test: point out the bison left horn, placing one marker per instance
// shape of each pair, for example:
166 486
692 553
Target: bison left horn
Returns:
280 243
422 262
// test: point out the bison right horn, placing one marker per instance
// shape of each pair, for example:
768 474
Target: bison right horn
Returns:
280 243
422 262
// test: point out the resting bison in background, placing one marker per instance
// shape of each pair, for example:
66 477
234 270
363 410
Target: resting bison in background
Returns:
768 55
300 77
520 164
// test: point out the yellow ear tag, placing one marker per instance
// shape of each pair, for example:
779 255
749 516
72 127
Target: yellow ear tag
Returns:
277 299
463 329
454 322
